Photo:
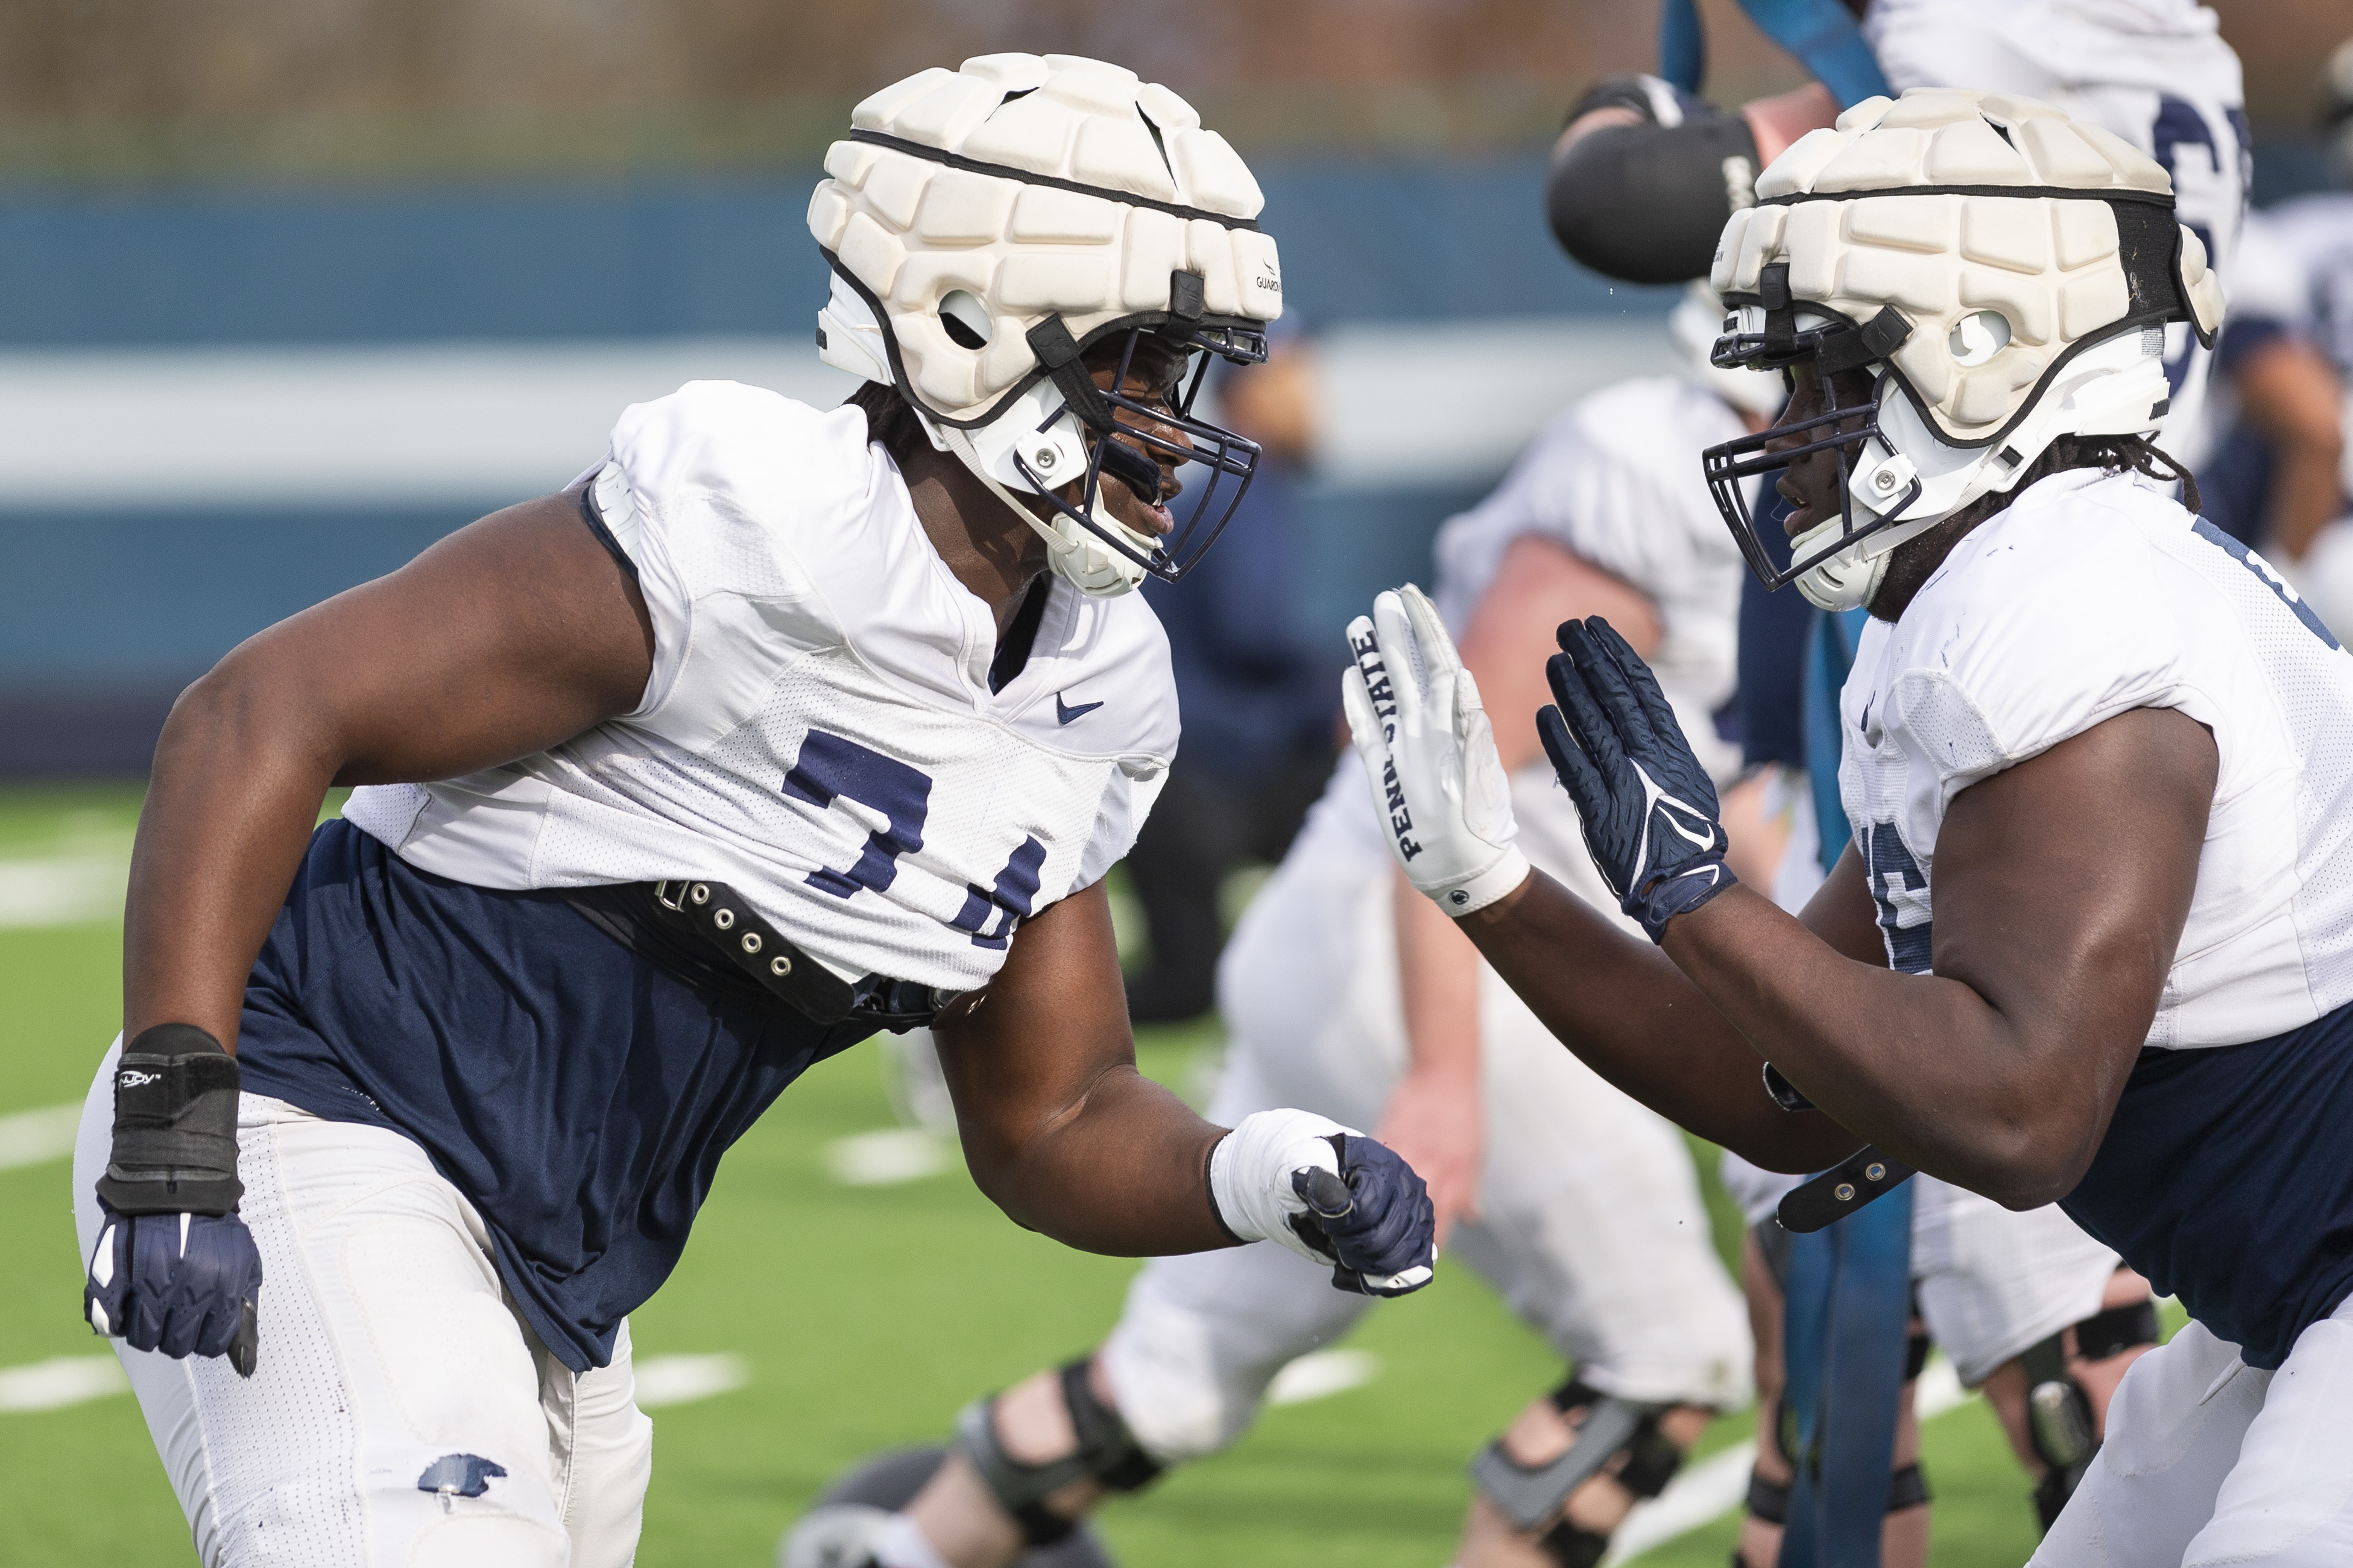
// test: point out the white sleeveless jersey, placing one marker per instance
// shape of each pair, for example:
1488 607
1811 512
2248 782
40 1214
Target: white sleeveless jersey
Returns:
1615 479
2154 72
818 731
2088 596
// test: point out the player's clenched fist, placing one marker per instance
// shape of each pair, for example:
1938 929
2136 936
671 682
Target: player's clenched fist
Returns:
1429 756
1329 1193
175 1268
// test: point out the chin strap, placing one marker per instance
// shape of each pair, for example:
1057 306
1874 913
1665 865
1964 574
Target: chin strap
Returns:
1093 570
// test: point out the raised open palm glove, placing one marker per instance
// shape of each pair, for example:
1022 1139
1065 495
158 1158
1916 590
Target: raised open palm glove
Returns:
1429 756
1649 808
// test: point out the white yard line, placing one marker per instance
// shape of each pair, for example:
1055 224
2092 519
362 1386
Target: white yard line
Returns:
885 1157
38 1137
64 1380
1319 1375
682 1379
50 893
1712 1488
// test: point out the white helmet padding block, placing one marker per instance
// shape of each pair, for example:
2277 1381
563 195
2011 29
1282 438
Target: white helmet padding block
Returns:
1034 187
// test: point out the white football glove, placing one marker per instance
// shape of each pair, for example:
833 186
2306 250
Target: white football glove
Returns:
1429 756
1329 1193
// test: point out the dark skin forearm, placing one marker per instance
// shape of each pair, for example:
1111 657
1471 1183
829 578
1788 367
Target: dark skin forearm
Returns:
507 637
1630 1015
2061 888
1074 1143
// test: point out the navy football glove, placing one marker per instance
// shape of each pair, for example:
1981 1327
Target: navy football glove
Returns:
1649 808
175 1269
1373 1220
1329 1193
185 1284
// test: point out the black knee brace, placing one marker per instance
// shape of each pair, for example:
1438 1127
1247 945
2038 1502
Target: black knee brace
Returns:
1528 1495
2059 1413
1647 203
1106 1453
1769 1500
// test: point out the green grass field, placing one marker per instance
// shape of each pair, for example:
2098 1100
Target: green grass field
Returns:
865 1315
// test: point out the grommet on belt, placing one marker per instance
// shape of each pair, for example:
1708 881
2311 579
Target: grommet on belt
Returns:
720 916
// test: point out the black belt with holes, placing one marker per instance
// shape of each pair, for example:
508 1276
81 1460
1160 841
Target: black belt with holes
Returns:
719 924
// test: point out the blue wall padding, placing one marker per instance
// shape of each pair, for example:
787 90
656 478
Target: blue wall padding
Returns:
541 261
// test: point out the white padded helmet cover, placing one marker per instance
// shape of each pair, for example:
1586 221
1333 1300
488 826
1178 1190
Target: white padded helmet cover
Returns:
914 230
1969 269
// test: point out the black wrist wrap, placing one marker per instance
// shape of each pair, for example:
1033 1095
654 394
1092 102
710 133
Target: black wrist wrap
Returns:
174 1125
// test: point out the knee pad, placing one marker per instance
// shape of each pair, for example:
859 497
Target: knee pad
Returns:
1106 1453
1646 204
1769 1500
2116 1329
2058 1424
2059 1413
1528 1495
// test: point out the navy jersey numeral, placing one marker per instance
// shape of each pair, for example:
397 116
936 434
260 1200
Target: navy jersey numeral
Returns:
1897 887
2262 568
1009 901
832 768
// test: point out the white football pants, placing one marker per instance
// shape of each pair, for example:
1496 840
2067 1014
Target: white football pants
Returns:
2209 1461
387 1345
1590 1226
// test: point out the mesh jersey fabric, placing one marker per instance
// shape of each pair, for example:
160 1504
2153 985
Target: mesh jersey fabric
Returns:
818 731
2091 594
2154 72
577 1093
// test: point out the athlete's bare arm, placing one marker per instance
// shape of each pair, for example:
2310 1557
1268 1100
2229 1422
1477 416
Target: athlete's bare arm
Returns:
508 637
1055 1118
2063 885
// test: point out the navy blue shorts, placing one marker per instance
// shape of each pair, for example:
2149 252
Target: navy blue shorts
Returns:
579 1094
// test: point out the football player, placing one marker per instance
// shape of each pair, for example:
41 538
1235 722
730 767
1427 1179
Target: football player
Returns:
1644 177
2090 943
779 727
1343 992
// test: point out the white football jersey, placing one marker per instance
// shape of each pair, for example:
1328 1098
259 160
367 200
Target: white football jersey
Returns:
1616 479
2154 72
2298 271
2089 595
818 731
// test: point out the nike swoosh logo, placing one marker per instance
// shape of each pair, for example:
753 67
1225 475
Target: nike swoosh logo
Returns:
1066 714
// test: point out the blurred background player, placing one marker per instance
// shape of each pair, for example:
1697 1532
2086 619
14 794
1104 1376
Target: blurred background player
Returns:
1259 697
2279 479
1343 990
778 728
2016 1299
